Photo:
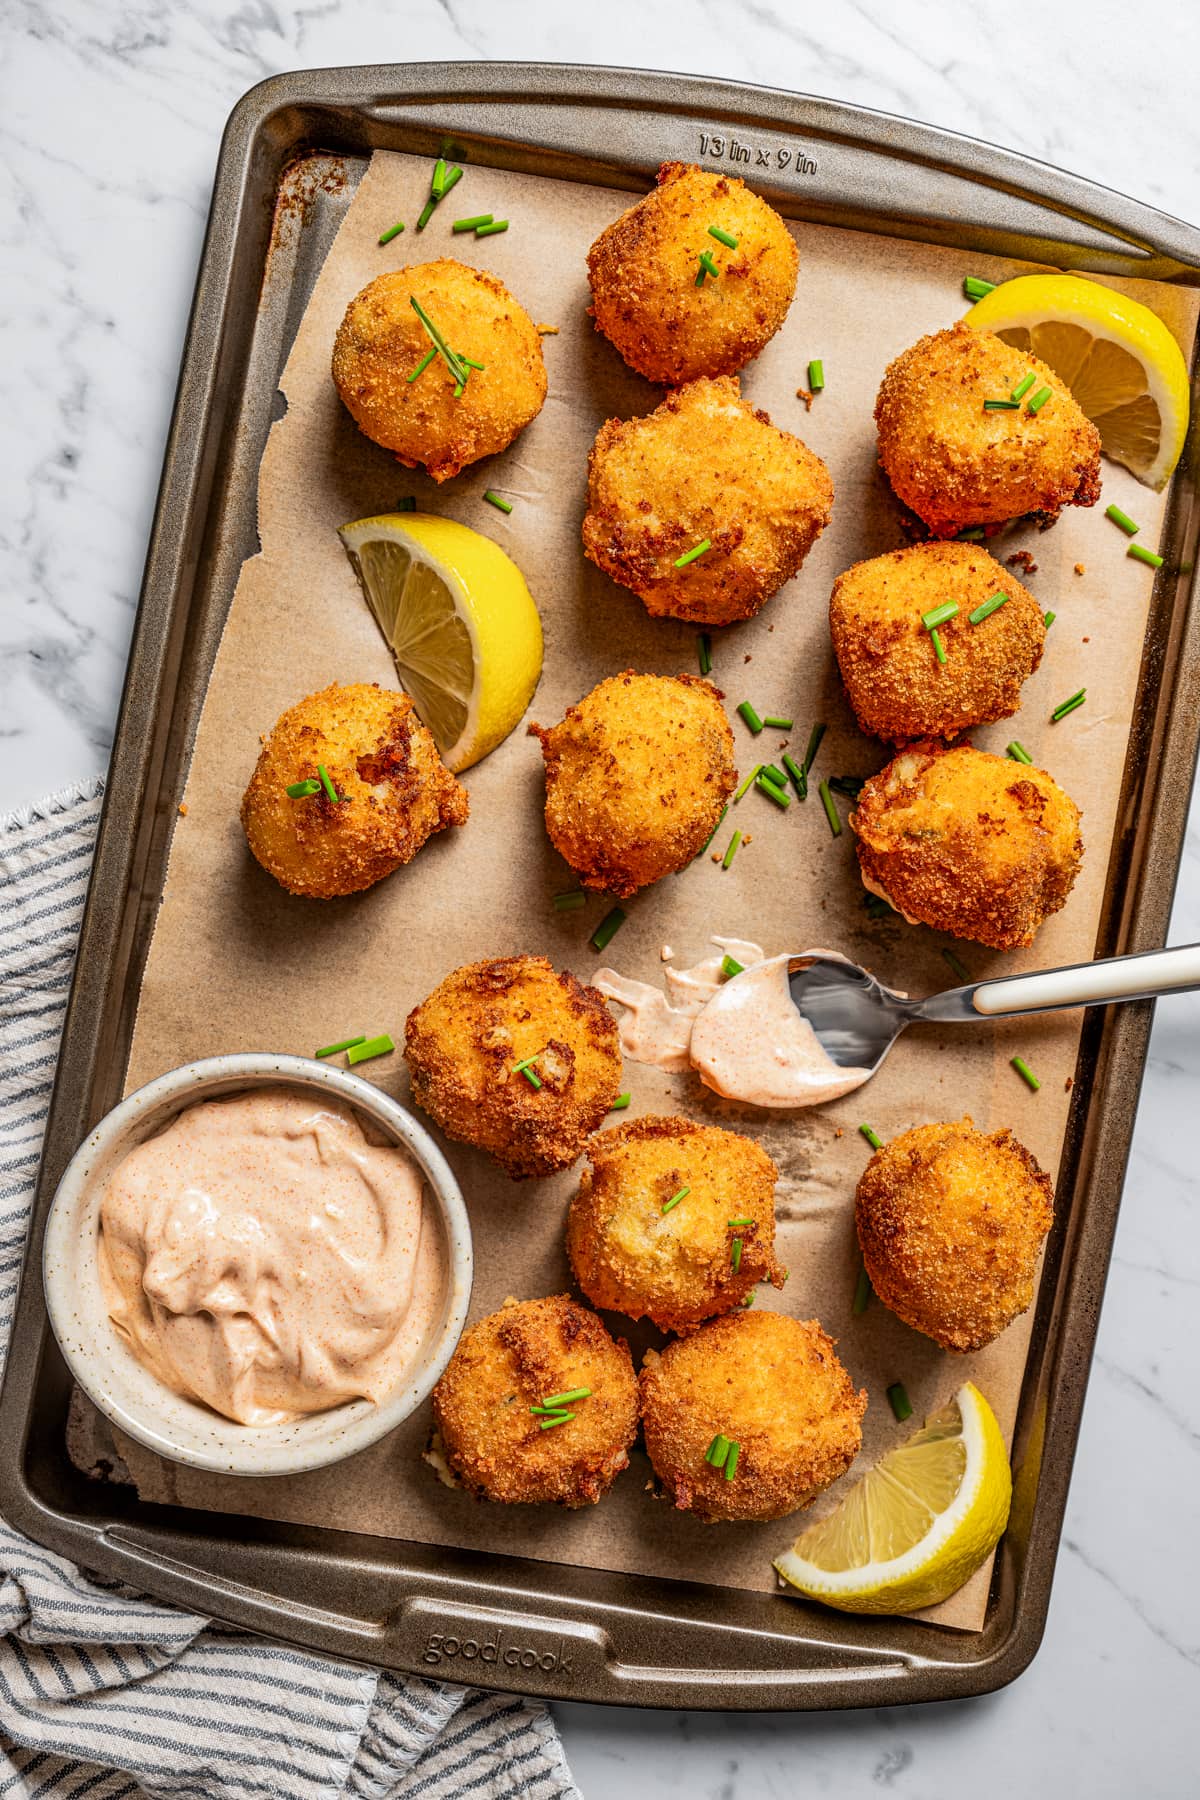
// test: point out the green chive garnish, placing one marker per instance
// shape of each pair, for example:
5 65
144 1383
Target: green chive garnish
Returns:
376 1046
1141 554
701 272
712 834
974 534
689 556
831 811
426 213
735 1254
731 966
723 237
749 1300
1068 706
734 1223
491 230
1018 752
938 616
422 365
986 608
850 785
876 1143
1039 400
568 1397
472 224
331 792
497 500
938 647
557 1412
520 1068
751 778
1023 386
717 1451
558 1419
407 503
901 1404
816 376
391 232
570 902
1048 619
731 1461
751 718
814 744
1001 405
704 653
732 851
975 287
957 966
532 1077
449 181
439 343
620 1103
799 778
438 183
707 263
862 1292
766 786
773 774
1122 519
682 1194
1025 1072
336 1049
777 723
303 790
608 928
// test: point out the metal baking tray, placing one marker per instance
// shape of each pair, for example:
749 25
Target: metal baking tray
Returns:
293 152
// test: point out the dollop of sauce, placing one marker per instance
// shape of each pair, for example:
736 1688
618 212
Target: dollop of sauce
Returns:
263 1256
743 1036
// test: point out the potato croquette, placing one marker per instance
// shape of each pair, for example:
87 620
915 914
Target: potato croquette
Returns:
643 271
770 1385
893 679
515 1360
636 776
967 842
950 1223
955 464
469 1045
675 1267
704 467
393 791
381 343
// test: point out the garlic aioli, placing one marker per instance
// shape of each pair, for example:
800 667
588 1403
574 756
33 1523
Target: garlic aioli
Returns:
657 1030
263 1256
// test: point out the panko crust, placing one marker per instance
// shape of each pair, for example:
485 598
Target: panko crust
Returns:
955 464
642 269
704 464
951 1223
396 791
463 1044
773 1384
893 680
674 1268
968 842
513 1360
637 773
380 342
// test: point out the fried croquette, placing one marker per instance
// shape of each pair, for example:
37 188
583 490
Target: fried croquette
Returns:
515 1360
950 1223
893 679
770 1385
701 1255
704 467
381 343
967 842
955 463
519 1060
643 269
637 774
393 791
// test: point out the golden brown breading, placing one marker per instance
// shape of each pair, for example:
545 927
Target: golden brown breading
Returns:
955 464
967 842
772 1385
397 791
893 679
464 1043
636 776
643 269
703 465
516 1358
381 341
675 1268
950 1223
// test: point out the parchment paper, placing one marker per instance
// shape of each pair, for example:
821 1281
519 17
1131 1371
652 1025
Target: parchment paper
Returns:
236 964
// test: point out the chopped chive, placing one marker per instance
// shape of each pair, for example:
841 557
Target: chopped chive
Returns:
701 273
620 1103
973 534
565 1399
745 1220
570 902
1018 752
407 503
938 647
473 223
1122 519
986 608
862 1292
814 744
335 1049
773 774
723 237
557 1412
303 790
497 500
751 718
392 232
558 1419
731 966
1023 386
939 614
470 362
1141 554
731 1461
608 928
799 778
704 653
460 387
1048 619
779 795
778 723
751 778
491 230
438 183
708 265
831 811
712 834
440 345
901 1404
850 785
531 1076
452 180
975 287
426 212
682 1194
735 1254
957 966
1025 1072
732 850
1001 406
749 1300
520 1068
1068 706
331 792
422 365
816 376
376 1046
875 1142
717 1451
1039 399
689 556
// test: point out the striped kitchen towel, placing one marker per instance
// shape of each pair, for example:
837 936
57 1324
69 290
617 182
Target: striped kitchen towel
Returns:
110 1696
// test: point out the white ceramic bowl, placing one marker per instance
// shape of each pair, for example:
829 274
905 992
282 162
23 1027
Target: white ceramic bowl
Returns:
108 1371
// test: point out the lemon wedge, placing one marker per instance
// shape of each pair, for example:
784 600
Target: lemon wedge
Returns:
918 1524
1117 357
460 622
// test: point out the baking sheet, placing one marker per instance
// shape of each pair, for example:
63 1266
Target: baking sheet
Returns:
233 959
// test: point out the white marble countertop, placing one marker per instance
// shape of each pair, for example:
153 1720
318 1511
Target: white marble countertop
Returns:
110 125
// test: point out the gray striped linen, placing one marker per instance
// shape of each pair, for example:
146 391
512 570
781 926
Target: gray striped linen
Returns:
106 1694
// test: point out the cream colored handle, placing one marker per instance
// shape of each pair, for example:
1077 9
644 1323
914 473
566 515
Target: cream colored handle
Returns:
1092 984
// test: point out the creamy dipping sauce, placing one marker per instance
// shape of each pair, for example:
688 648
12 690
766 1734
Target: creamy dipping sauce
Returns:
263 1256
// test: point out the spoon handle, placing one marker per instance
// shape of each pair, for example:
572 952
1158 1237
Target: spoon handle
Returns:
1117 978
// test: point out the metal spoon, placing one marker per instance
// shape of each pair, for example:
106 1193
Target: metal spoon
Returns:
857 1019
